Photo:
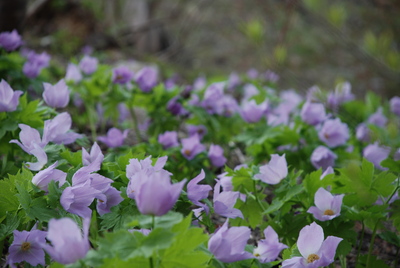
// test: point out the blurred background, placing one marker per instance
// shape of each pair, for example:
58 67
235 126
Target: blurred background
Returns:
306 42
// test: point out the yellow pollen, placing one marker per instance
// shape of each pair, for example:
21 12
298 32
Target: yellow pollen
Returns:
312 258
26 246
329 212
102 201
326 135
187 152
257 255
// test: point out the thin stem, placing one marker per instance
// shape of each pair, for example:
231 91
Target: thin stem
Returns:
257 199
371 244
360 241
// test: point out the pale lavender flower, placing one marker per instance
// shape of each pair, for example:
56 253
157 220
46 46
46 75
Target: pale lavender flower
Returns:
216 155
154 193
43 178
175 107
73 73
252 73
57 130
376 154
35 64
315 251
341 95
146 165
363 133
224 202
268 249
200 130
95 155
168 139
56 96
251 112
290 100
122 75
323 158
10 41
396 156
271 76
227 106
114 138
233 81
199 83
334 133
327 206
249 90
275 171
228 244
378 118
9 99
68 244
113 198
147 78
197 192
328 171
27 247
313 113
395 105
146 232
191 147
88 64
212 97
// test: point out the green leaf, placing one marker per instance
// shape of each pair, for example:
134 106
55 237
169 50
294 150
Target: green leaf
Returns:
8 199
74 158
11 223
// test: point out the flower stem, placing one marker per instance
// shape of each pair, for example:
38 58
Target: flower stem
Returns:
360 241
371 244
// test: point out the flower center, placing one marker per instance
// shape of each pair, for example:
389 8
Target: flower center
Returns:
257 254
329 212
326 135
187 152
26 246
312 258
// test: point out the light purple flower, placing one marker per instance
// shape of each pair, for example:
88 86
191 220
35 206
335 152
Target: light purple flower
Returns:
328 171
269 248
326 206
27 247
334 133
43 178
216 155
378 118
251 112
323 158
73 73
271 76
290 100
57 130
175 107
122 75
197 192
113 198
224 202
227 106
88 64
212 97
35 64
10 41
168 139
275 171
147 78
233 81
313 113
376 154
56 96
199 83
200 130
67 242
249 90
114 138
341 95
315 251
395 105
252 73
228 244
154 193
191 147
363 133
95 155
9 99
146 165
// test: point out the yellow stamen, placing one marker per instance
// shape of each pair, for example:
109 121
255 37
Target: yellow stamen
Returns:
329 212
312 258
26 246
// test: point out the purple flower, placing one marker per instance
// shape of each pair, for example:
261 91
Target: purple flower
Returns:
334 133
9 99
216 155
200 130
233 81
269 248
147 79
191 147
88 64
27 247
252 73
197 192
73 73
363 133
228 244
95 155
212 97
327 206
199 83
271 76
113 198
122 75
168 139
323 158
35 64
275 171
43 178
10 41
67 243
57 130
395 105
154 193
251 112
378 118
114 138
56 96
328 171
249 90
175 107
376 154
315 251
136 166
341 95
313 113
224 202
